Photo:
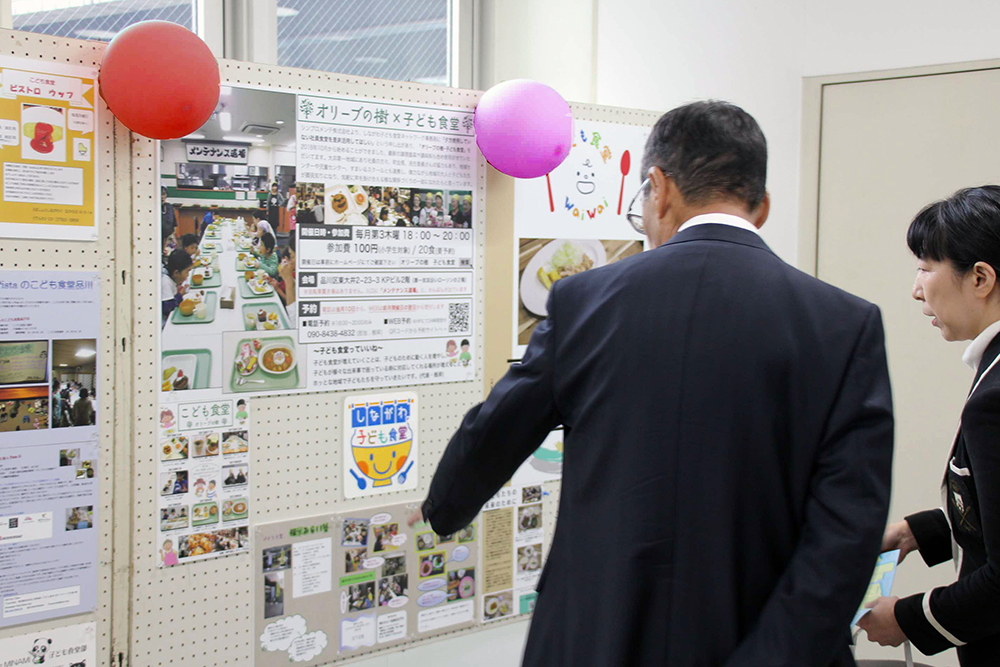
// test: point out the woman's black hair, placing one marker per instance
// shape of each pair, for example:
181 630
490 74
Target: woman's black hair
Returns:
268 240
189 239
178 261
962 229
163 189
290 245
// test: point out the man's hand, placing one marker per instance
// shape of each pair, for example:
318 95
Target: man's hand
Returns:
880 623
899 536
416 516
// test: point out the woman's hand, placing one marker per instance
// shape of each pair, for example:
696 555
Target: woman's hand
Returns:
880 623
899 536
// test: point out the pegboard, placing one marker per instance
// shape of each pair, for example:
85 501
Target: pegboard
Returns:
200 613
99 256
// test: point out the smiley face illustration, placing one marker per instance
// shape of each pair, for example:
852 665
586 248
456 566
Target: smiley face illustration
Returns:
585 184
380 462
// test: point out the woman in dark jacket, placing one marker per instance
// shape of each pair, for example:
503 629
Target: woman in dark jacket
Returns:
957 243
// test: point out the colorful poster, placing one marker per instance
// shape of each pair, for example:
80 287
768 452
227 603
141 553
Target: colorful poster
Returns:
381 444
573 219
48 145
384 583
68 646
513 552
49 449
340 257
204 480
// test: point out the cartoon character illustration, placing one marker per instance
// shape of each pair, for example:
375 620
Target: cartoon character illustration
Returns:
40 650
585 183
241 410
168 554
166 418
451 349
466 356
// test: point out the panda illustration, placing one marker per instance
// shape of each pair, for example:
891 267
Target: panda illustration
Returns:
39 650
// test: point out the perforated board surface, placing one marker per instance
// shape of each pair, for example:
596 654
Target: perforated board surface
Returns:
100 256
200 614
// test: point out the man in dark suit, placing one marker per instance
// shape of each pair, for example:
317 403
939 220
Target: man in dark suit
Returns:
728 432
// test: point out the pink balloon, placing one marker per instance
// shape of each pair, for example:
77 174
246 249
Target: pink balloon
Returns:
524 128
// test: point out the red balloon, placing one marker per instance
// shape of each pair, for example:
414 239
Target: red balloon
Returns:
159 79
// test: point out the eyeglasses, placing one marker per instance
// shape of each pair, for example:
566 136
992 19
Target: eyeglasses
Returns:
634 212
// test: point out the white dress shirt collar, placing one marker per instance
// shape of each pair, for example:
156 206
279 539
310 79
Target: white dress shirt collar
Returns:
719 219
974 353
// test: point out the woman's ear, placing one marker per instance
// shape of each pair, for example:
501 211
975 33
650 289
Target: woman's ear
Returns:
985 278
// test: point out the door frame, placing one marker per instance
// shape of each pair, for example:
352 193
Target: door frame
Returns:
813 88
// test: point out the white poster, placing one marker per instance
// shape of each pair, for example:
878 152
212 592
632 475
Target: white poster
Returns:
545 463
204 480
573 219
68 646
381 444
367 277
386 278
49 448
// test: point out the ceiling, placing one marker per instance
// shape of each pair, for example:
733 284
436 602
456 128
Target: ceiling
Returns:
254 106
64 352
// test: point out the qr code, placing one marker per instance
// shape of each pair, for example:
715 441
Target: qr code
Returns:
458 317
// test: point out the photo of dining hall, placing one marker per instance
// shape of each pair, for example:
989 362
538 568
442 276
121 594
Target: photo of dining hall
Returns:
228 212
553 333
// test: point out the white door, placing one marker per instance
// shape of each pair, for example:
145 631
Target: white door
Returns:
888 147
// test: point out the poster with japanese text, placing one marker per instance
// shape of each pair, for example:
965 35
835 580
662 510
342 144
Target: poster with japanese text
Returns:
48 145
573 219
513 553
67 646
340 256
346 584
386 279
49 448
381 444
203 480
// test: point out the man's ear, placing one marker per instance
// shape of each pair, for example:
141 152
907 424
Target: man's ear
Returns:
662 191
763 210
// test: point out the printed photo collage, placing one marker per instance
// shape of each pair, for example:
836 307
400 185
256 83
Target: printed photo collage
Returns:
389 582
513 561
47 384
204 481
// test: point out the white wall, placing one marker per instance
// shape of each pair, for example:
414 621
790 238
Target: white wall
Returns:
658 55
861 35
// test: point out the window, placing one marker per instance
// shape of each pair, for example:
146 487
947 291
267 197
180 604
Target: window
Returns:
406 40
96 19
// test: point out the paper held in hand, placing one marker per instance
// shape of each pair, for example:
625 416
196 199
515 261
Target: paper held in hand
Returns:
881 584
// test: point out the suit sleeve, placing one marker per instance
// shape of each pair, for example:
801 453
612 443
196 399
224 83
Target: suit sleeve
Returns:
933 535
806 620
498 435
969 609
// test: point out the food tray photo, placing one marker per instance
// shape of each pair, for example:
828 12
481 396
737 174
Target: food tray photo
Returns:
202 365
259 379
211 306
